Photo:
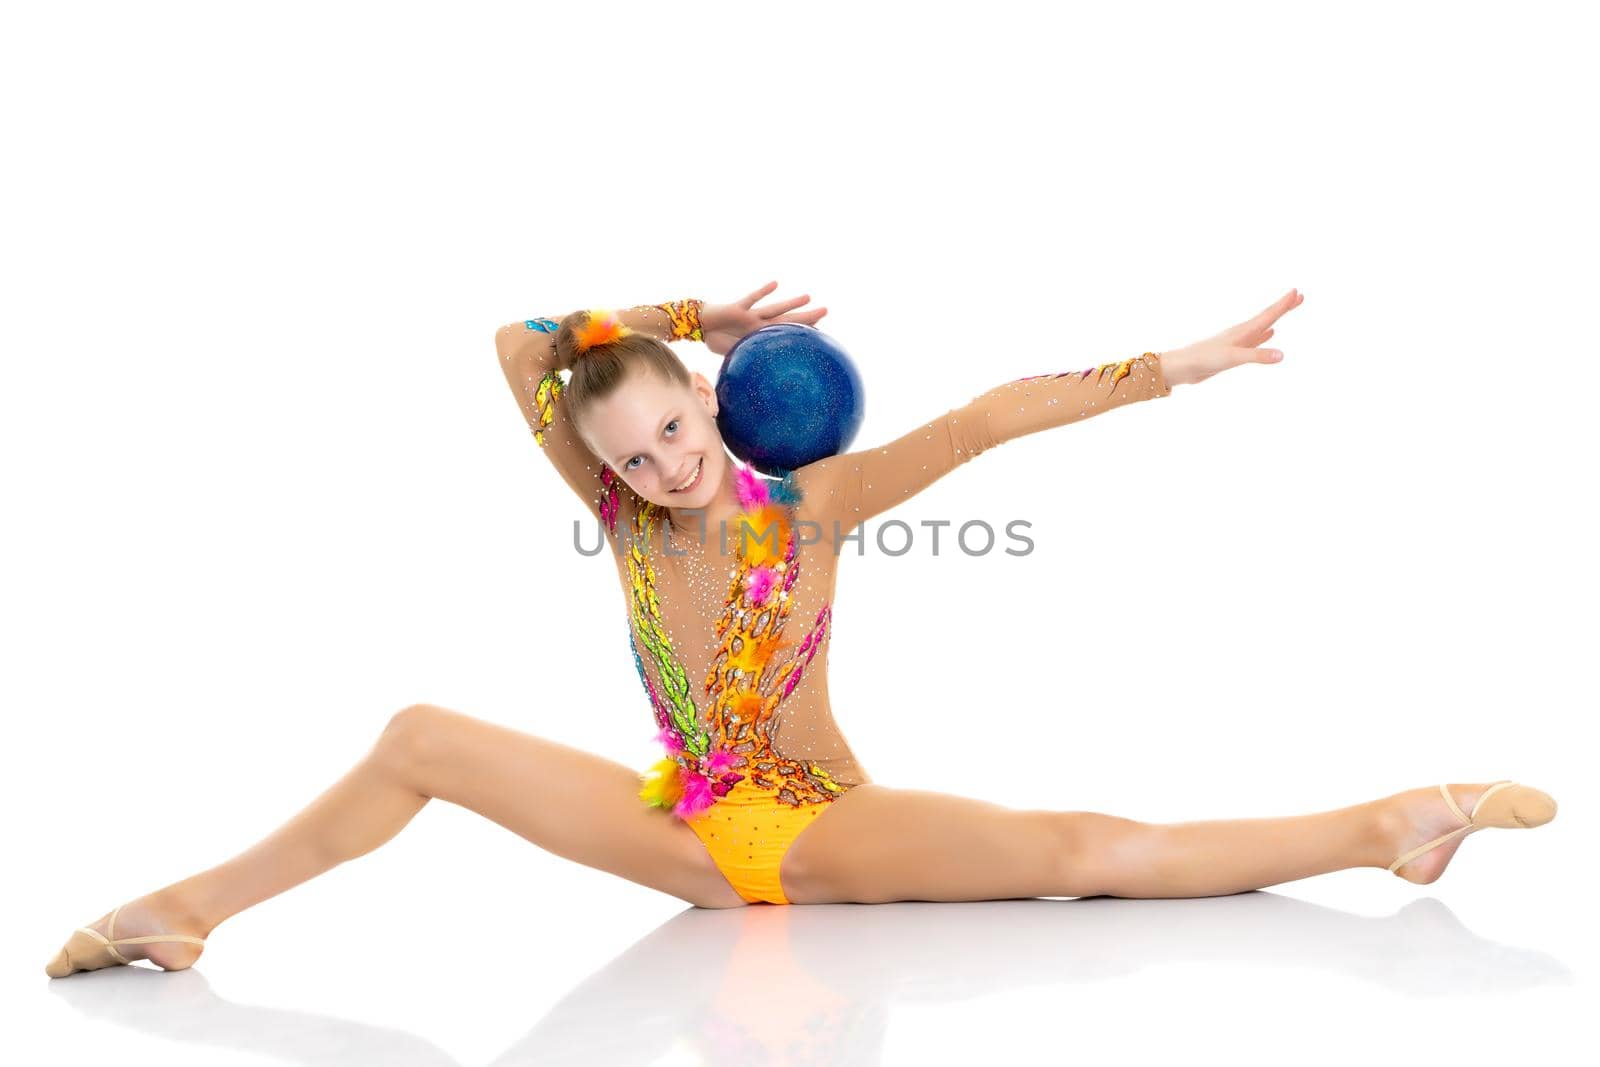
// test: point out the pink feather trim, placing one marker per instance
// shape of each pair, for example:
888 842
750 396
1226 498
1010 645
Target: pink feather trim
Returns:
720 761
751 488
697 796
758 584
669 737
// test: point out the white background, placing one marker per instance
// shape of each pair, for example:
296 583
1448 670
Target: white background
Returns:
264 485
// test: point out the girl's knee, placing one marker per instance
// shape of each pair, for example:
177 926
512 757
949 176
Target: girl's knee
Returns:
1092 849
410 735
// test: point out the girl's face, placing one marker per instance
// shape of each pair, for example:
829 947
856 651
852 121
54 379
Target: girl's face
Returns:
660 436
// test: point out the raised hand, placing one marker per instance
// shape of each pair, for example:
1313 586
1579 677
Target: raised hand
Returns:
721 325
1232 347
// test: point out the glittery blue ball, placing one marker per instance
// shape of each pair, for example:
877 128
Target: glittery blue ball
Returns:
788 395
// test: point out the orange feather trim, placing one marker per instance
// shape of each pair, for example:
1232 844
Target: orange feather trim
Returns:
602 327
761 545
747 706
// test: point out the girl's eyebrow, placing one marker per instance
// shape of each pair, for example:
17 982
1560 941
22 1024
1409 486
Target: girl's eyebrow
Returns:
671 414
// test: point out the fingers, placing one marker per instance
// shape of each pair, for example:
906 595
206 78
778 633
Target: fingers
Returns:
1267 315
778 312
774 310
1276 309
1253 331
805 318
1257 355
749 301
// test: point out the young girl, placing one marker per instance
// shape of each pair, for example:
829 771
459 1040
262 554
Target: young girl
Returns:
728 579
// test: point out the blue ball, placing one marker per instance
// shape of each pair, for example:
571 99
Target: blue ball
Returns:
788 395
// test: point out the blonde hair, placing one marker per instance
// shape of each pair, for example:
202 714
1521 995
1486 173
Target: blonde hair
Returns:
599 370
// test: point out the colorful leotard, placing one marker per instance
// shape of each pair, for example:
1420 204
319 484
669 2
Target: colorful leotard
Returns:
730 638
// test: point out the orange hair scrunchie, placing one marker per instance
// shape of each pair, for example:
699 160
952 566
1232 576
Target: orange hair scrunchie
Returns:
603 327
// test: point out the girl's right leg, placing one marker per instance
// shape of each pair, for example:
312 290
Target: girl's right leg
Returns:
572 803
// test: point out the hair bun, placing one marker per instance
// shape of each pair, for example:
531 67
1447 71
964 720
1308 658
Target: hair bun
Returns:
601 327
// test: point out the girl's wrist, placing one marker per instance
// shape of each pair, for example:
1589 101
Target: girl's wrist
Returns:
677 320
685 319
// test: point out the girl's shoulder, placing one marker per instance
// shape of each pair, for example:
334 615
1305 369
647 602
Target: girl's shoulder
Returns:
809 488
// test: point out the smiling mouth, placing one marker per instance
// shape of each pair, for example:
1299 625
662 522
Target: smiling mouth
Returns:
694 479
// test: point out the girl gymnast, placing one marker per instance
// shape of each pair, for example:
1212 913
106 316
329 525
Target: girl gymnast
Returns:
728 578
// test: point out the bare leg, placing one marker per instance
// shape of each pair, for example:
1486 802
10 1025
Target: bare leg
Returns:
1198 859
878 844
365 808
359 812
575 804
1125 858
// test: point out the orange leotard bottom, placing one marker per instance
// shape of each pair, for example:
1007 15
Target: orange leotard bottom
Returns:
747 832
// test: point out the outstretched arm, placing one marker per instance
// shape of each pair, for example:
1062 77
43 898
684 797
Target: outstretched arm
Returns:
856 486
528 358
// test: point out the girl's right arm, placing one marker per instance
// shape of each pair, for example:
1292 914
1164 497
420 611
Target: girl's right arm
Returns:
528 358
527 353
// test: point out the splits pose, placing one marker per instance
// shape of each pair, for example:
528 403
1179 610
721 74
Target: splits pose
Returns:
728 580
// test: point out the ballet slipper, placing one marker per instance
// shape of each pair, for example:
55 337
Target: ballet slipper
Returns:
89 950
1504 805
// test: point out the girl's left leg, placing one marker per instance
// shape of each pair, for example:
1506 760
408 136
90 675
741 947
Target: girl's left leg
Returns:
877 844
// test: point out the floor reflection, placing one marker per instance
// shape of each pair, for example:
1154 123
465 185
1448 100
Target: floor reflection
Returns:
816 984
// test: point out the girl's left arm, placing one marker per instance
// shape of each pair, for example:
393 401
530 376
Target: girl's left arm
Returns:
856 486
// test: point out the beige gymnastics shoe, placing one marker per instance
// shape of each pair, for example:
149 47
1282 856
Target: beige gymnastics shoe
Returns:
1504 804
89 950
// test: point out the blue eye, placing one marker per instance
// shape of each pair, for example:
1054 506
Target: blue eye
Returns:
628 466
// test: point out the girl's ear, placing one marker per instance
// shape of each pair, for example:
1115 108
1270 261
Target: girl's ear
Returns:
706 391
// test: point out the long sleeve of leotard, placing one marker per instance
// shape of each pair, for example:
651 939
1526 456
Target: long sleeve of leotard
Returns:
527 351
855 486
